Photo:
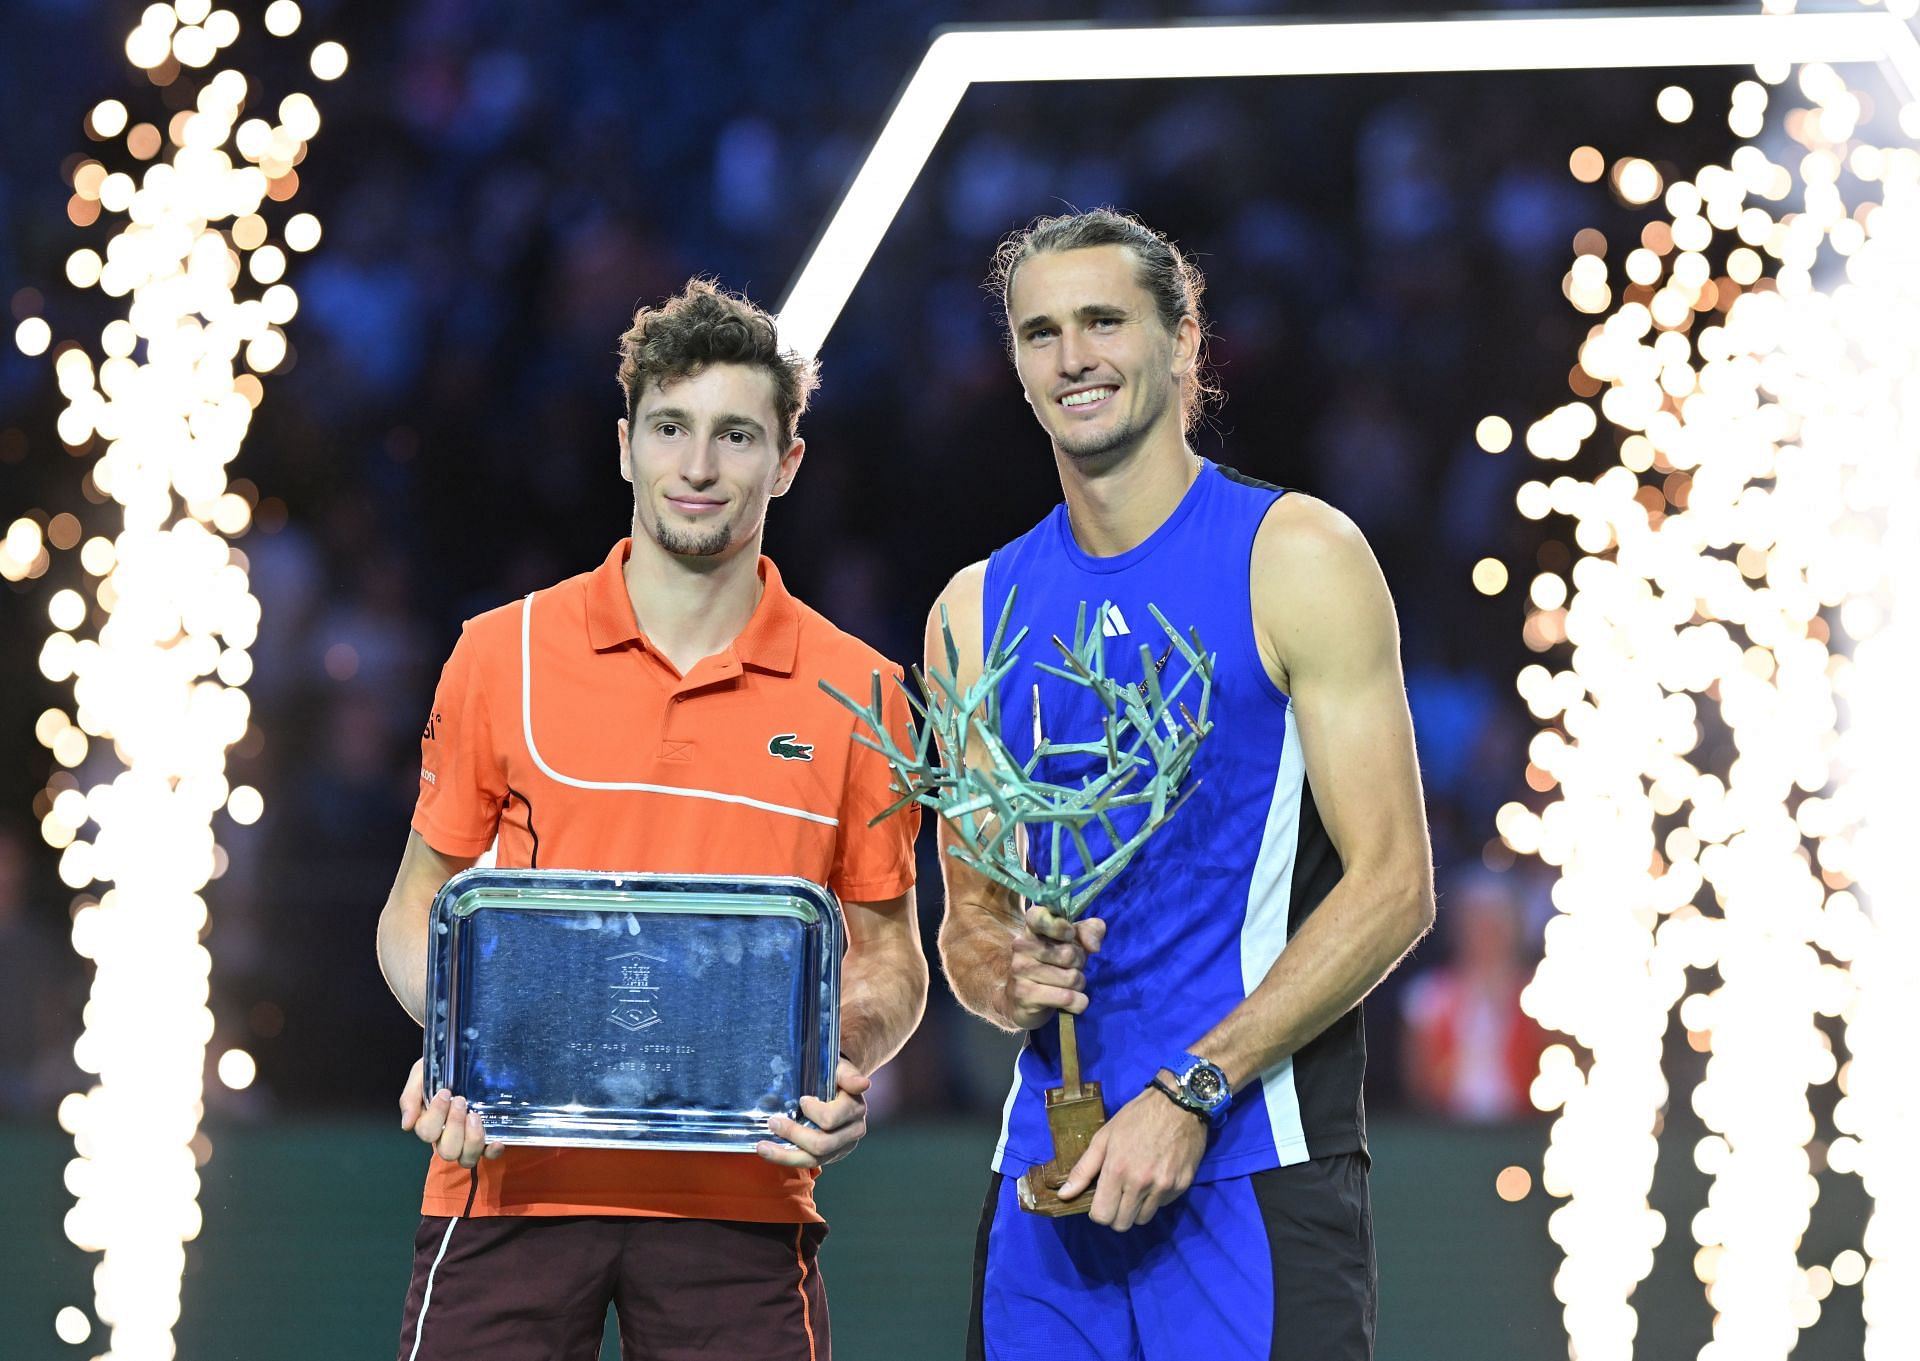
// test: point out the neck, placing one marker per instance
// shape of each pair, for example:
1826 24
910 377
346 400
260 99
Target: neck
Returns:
1115 504
691 608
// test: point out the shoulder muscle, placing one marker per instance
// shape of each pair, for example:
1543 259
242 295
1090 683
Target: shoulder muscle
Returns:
1320 602
958 612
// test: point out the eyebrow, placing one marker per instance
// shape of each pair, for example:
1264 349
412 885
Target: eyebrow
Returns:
1093 311
682 415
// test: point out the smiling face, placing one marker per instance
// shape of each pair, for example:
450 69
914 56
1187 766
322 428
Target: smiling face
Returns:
705 454
1101 371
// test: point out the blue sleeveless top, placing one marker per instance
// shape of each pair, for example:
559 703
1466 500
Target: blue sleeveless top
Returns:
1206 907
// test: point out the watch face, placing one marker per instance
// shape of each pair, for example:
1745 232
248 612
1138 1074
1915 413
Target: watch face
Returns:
1206 1084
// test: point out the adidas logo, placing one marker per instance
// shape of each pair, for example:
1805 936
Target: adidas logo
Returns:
1113 624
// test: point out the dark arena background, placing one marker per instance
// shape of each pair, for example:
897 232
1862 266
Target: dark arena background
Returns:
1577 314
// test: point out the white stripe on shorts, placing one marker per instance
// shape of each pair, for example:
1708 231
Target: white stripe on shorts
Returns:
426 1296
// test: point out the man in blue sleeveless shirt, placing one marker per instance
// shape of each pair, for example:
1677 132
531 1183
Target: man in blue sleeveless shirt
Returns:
1218 991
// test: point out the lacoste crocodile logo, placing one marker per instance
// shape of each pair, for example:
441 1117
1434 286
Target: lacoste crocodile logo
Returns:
787 749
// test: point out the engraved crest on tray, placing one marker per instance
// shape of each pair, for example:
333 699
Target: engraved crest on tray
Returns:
635 1001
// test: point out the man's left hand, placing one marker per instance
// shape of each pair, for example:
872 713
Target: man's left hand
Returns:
1140 1160
839 1124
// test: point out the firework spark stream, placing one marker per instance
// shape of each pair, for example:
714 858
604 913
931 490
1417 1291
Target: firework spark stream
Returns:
154 632
1726 732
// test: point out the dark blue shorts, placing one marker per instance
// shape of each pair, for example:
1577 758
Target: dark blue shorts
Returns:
1275 1265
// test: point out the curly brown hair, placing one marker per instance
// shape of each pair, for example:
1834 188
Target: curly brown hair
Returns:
702 325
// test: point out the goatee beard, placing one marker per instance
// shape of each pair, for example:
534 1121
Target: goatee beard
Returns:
1103 450
707 544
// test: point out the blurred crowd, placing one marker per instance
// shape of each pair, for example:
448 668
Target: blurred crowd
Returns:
500 184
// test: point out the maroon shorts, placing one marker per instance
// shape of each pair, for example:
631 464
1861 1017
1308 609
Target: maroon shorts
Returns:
537 1288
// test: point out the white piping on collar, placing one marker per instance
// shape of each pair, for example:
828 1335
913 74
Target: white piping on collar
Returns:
621 786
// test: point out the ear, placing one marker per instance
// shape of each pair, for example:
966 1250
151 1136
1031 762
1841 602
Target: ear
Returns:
626 452
1186 346
789 467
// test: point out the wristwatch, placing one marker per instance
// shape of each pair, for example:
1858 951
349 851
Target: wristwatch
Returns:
1199 1087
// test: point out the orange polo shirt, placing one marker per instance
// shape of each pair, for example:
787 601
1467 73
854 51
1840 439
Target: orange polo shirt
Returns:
557 727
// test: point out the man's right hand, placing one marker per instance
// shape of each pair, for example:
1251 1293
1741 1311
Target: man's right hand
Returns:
1048 972
445 1122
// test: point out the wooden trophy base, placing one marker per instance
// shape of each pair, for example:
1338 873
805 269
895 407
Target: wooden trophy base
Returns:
1074 1120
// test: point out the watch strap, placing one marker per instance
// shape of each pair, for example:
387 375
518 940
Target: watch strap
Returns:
1178 1098
1182 1069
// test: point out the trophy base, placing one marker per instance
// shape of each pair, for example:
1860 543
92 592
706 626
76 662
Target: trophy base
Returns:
1074 1120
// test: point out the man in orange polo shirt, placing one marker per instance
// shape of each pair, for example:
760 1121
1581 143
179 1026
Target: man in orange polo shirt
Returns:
662 712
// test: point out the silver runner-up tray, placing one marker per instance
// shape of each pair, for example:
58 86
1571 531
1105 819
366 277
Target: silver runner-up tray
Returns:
632 1010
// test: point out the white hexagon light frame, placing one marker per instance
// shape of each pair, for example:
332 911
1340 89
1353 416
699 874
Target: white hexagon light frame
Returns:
959 59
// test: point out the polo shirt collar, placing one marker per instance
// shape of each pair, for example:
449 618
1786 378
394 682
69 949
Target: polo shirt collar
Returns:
610 620
772 637
769 642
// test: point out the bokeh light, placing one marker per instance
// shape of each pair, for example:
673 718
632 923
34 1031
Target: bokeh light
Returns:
107 119
329 61
1586 164
1674 104
237 1069
32 336
245 805
302 232
72 1326
1636 180
282 18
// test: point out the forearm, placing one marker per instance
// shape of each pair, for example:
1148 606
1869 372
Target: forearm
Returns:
403 962
1344 948
400 939
976 951
883 993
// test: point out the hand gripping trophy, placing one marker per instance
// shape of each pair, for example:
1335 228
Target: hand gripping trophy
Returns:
959 765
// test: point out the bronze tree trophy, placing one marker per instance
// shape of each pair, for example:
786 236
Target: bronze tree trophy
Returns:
958 765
